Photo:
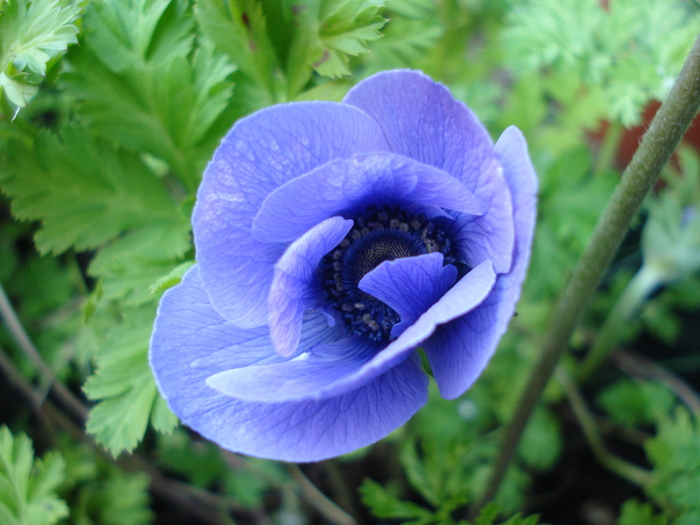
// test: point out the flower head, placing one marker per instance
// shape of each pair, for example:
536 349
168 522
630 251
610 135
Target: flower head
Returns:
333 240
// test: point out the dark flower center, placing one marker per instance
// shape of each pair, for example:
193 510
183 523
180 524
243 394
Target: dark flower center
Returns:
379 234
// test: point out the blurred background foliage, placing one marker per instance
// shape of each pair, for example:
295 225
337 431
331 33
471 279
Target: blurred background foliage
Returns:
109 111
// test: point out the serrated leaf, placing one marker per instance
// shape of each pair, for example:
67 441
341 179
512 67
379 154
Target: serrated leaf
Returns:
133 33
172 278
83 190
345 31
636 403
125 499
541 442
152 95
239 28
129 266
675 455
27 485
385 505
636 513
123 385
31 33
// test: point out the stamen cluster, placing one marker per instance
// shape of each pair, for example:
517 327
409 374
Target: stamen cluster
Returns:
380 234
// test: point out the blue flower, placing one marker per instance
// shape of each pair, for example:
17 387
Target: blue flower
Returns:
333 240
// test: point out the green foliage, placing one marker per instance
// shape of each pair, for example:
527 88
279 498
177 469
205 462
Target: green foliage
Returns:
124 386
571 200
121 498
636 403
636 513
27 485
387 506
412 30
100 493
31 33
584 46
675 455
541 443
83 190
142 84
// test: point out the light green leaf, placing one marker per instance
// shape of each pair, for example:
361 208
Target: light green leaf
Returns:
636 513
150 93
383 504
83 190
130 265
345 29
239 28
172 278
675 454
27 485
31 33
124 387
541 443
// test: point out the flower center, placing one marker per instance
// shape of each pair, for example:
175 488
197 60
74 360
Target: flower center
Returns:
380 234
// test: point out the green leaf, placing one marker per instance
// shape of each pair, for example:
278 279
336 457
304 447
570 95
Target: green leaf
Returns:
124 387
345 32
123 499
239 28
31 33
541 443
144 87
383 504
675 455
172 278
636 403
636 513
630 52
27 485
129 266
321 35
83 190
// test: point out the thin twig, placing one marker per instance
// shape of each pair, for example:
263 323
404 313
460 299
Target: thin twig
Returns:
614 463
302 487
636 365
202 505
658 143
62 393
318 499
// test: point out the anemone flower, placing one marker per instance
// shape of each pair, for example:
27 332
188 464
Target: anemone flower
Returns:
333 240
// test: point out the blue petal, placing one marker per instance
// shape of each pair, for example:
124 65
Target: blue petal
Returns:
260 153
295 284
459 351
308 376
410 285
463 297
192 342
421 120
347 187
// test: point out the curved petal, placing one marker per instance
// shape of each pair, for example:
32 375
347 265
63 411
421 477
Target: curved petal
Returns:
463 297
295 286
421 120
308 376
192 342
260 153
459 351
348 186
410 285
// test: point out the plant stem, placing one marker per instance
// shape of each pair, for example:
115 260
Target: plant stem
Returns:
62 393
318 499
629 303
662 137
622 468
637 366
